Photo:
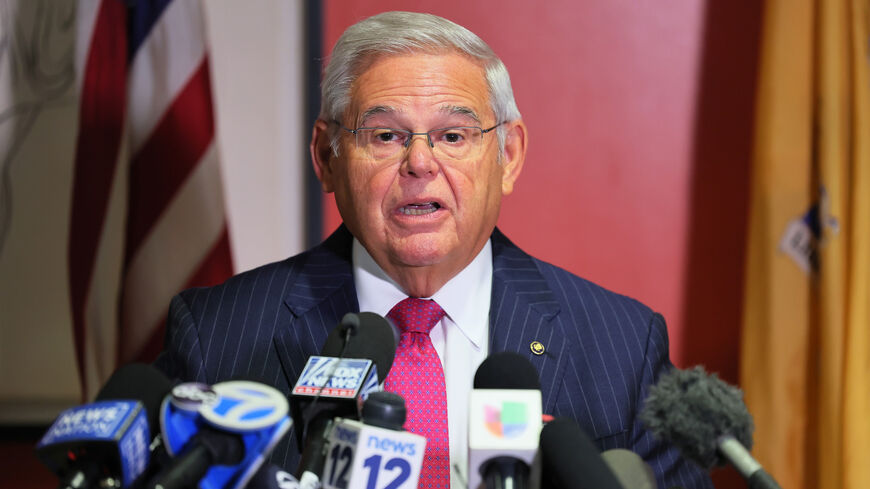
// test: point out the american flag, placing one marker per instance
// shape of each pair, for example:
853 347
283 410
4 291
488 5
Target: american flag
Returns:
147 143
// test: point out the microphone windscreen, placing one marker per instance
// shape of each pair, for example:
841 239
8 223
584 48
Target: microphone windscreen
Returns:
570 459
630 470
373 340
139 382
506 370
384 409
692 409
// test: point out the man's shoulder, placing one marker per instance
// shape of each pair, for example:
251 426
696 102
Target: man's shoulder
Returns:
568 288
325 262
252 279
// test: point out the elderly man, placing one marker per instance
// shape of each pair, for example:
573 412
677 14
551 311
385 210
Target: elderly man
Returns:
419 138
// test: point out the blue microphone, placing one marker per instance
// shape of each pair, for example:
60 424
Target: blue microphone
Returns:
107 442
220 435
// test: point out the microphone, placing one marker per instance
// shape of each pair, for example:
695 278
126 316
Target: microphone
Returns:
107 442
504 422
219 435
571 460
356 356
630 470
376 452
707 419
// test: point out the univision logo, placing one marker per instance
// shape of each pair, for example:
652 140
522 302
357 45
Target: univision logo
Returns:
506 421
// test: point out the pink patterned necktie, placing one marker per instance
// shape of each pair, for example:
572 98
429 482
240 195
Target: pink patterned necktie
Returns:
417 376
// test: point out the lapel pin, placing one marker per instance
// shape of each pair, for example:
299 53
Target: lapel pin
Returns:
537 348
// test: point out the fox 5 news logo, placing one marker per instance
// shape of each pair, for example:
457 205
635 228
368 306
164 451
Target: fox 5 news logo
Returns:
361 456
334 377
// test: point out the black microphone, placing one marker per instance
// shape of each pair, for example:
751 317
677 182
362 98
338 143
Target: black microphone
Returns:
504 422
571 460
107 442
707 419
355 359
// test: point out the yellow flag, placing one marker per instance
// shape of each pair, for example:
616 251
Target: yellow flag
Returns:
805 361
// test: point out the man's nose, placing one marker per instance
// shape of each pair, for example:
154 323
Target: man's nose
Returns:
419 160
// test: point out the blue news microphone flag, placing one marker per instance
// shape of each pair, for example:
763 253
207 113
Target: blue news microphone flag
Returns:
107 441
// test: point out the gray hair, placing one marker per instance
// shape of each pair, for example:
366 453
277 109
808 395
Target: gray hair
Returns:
403 33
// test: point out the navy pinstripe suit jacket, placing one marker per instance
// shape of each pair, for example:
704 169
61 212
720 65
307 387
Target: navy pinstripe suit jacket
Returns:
602 349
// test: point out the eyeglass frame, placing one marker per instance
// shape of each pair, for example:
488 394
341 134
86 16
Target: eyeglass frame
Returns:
411 134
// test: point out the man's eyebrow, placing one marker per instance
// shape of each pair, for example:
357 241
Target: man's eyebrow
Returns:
448 109
461 110
378 109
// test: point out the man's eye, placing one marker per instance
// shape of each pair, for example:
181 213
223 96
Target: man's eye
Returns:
386 136
453 136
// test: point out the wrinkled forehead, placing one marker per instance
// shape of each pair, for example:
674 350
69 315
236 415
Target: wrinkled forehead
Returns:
453 84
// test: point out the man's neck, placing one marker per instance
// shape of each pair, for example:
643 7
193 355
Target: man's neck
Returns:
422 282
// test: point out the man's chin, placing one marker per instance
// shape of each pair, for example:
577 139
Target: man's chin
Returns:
421 252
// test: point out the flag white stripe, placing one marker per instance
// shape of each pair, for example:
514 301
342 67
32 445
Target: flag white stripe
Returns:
86 17
101 303
172 251
163 65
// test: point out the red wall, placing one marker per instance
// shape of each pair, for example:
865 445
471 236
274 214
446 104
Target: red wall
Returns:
640 121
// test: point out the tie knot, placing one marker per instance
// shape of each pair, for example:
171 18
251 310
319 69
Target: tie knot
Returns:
416 315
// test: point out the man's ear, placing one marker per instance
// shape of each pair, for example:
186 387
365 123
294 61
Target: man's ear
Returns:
514 155
322 156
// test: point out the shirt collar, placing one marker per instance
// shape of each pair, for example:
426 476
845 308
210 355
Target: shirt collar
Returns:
465 298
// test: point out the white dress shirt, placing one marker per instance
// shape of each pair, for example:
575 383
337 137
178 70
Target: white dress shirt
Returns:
460 338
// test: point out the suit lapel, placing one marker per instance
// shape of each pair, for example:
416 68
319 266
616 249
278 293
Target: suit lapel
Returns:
524 316
322 291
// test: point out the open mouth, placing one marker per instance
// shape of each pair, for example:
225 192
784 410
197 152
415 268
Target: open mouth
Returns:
419 209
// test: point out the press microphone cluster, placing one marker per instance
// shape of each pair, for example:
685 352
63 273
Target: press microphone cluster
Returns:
217 437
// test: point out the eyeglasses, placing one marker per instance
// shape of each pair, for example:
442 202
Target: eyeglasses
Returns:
451 143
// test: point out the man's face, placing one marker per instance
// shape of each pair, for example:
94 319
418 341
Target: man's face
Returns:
415 210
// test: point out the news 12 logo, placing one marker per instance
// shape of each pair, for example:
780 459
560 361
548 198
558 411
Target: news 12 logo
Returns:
361 456
509 420
336 377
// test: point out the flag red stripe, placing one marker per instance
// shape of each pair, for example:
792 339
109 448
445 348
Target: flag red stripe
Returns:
214 269
101 120
168 156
